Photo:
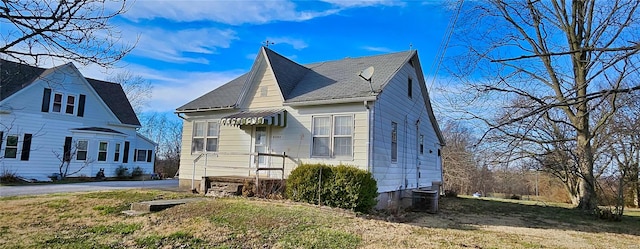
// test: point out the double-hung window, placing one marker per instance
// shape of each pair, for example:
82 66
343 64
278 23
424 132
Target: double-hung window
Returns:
102 151
205 136
11 148
71 103
81 150
116 154
57 102
332 136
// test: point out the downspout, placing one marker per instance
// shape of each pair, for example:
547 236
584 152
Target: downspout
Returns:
370 140
417 150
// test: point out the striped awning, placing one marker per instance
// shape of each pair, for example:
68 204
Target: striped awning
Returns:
261 117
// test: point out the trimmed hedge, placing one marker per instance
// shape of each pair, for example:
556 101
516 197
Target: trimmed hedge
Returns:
336 186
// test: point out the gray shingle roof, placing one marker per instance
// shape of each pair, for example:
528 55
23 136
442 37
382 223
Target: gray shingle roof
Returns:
15 76
317 81
115 98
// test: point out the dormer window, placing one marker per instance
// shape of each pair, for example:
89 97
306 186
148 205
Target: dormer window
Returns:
57 102
71 103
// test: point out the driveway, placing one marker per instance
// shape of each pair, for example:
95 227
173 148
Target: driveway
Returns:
170 184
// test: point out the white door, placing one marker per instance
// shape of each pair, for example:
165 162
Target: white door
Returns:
260 144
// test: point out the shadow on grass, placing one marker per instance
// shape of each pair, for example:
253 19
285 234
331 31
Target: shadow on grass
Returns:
469 213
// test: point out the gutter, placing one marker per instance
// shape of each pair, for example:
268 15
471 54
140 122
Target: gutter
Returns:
331 101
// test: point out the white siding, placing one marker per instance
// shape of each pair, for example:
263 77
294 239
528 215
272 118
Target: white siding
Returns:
295 140
50 129
264 91
403 174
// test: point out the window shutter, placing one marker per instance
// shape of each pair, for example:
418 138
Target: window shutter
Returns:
135 155
149 154
81 105
46 98
1 137
26 147
125 157
67 149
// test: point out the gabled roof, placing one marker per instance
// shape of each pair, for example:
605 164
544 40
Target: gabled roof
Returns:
113 95
16 76
330 80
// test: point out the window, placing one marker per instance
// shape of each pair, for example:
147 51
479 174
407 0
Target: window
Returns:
321 136
394 142
332 136
410 87
71 103
81 150
57 102
421 144
205 137
212 136
116 155
343 129
11 148
141 155
102 151
197 144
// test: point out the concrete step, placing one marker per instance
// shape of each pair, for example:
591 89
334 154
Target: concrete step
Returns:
158 205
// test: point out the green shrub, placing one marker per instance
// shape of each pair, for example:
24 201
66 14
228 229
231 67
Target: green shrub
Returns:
137 171
309 183
122 172
340 186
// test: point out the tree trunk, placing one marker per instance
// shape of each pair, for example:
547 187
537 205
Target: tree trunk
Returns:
587 197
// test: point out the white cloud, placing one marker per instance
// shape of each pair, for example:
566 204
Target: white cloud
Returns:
377 49
297 44
228 12
363 3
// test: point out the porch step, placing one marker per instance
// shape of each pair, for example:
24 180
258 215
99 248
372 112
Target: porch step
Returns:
226 188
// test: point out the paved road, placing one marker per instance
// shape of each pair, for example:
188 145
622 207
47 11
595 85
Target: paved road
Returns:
86 186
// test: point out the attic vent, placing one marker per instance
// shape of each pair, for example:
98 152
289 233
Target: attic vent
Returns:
264 90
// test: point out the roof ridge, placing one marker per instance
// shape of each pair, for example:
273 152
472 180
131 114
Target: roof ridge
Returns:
359 57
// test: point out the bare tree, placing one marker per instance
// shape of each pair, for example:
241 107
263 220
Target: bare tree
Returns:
167 132
459 165
78 150
561 60
137 89
68 30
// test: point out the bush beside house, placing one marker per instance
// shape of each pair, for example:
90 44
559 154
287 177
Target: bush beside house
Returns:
336 186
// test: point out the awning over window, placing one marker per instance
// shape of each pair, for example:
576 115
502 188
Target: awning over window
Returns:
262 117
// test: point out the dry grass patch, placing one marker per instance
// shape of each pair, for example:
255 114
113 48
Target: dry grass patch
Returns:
93 220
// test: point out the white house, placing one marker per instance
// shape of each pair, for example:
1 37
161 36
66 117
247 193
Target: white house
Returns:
48 116
372 112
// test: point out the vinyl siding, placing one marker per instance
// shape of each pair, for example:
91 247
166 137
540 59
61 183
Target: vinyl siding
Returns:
295 140
264 82
50 129
403 174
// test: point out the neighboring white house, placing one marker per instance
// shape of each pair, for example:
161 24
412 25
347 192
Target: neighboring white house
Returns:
52 115
328 112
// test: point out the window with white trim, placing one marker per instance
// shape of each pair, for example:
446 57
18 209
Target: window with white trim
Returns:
332 136
102 151
116 154
81 150
57 102
11 147
71 103
63 103
141 156
421 144
212 136
394 142
205 136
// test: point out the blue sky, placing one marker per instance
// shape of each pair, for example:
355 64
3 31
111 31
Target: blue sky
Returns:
187 48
